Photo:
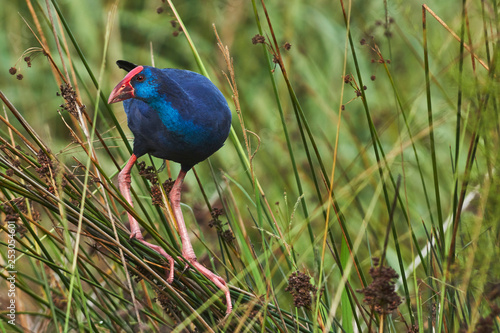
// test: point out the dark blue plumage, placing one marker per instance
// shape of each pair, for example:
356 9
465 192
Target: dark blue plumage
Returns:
179 116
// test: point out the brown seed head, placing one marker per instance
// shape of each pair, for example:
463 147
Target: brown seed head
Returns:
300 287
167 185
156 197
70 99
228 236
258 39
381 294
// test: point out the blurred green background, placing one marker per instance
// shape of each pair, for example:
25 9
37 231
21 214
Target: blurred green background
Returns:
315 64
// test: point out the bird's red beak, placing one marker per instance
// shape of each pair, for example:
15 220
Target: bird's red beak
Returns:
124 89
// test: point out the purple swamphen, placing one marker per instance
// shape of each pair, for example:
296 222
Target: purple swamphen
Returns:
176 115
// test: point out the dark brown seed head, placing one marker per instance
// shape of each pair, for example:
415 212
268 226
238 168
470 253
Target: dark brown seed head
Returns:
215 221
28 61
70 99
287 46
258 39
12 70
227 236
156 197
167 185
381 294
148 173
302 290
216 212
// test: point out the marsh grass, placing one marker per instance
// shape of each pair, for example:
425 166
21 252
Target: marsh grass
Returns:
357 191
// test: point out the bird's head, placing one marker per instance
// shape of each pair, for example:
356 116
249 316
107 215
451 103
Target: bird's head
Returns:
140 83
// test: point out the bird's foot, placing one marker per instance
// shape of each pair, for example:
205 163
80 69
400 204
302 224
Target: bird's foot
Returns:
187 258
160 250
216 279
136 234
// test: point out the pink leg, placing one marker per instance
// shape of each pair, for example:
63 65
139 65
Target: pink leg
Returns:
135 231
187 248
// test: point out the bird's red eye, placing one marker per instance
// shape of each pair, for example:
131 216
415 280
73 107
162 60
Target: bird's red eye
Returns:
139 78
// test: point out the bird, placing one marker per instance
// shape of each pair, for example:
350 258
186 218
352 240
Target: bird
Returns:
176 115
